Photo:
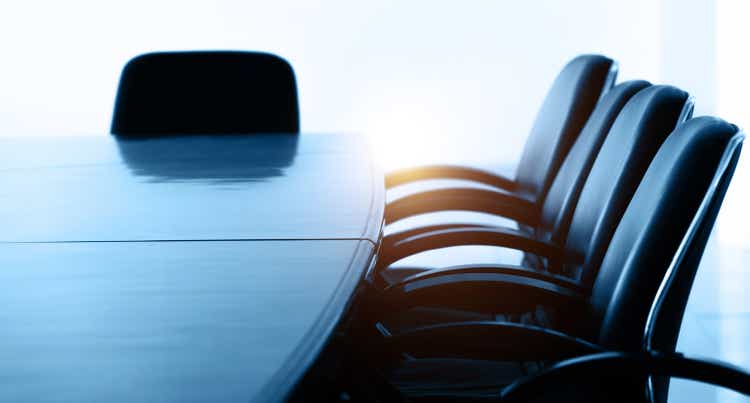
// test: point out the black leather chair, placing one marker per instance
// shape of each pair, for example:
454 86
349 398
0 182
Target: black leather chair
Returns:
577 219
567 106
206 93
566 183
551 219
555 384
624 329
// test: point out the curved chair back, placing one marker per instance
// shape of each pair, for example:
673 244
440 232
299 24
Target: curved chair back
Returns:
665 319
666 314
558 206
566 108
648 271
206 92
635 137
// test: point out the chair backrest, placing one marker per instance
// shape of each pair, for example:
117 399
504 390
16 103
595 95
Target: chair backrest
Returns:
650 264
665 318
565 109
635 137
207 93
557 209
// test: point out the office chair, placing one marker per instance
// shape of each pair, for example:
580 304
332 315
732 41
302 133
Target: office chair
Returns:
665 316
569 244
207 93
563 114
628 323
561 200
581 372
572 173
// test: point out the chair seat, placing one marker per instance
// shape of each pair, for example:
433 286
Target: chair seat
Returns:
394 275
447 257
427 316
442 379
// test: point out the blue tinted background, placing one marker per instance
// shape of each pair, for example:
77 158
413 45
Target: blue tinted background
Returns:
424 80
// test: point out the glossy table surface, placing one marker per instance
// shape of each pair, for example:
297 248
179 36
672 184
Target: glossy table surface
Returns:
186 188
173 269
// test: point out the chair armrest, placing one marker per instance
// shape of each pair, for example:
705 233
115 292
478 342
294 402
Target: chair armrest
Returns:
513 270
488 340
499 289
447 236
464 199
392 238
617 365
407 175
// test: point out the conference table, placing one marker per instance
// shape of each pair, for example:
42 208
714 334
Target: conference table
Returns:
196 268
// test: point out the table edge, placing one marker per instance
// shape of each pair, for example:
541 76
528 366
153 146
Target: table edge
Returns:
296 365
373 229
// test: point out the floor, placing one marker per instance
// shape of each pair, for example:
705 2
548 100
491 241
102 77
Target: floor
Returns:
717 319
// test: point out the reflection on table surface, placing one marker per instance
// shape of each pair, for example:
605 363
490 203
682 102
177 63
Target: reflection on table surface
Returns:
235 158
185 187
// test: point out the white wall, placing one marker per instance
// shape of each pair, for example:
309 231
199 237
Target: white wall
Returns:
733 86
455 80
688 49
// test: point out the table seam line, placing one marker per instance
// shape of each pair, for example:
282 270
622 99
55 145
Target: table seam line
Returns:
189 240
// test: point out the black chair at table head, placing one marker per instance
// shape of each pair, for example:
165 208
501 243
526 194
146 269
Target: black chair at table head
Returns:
206 92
